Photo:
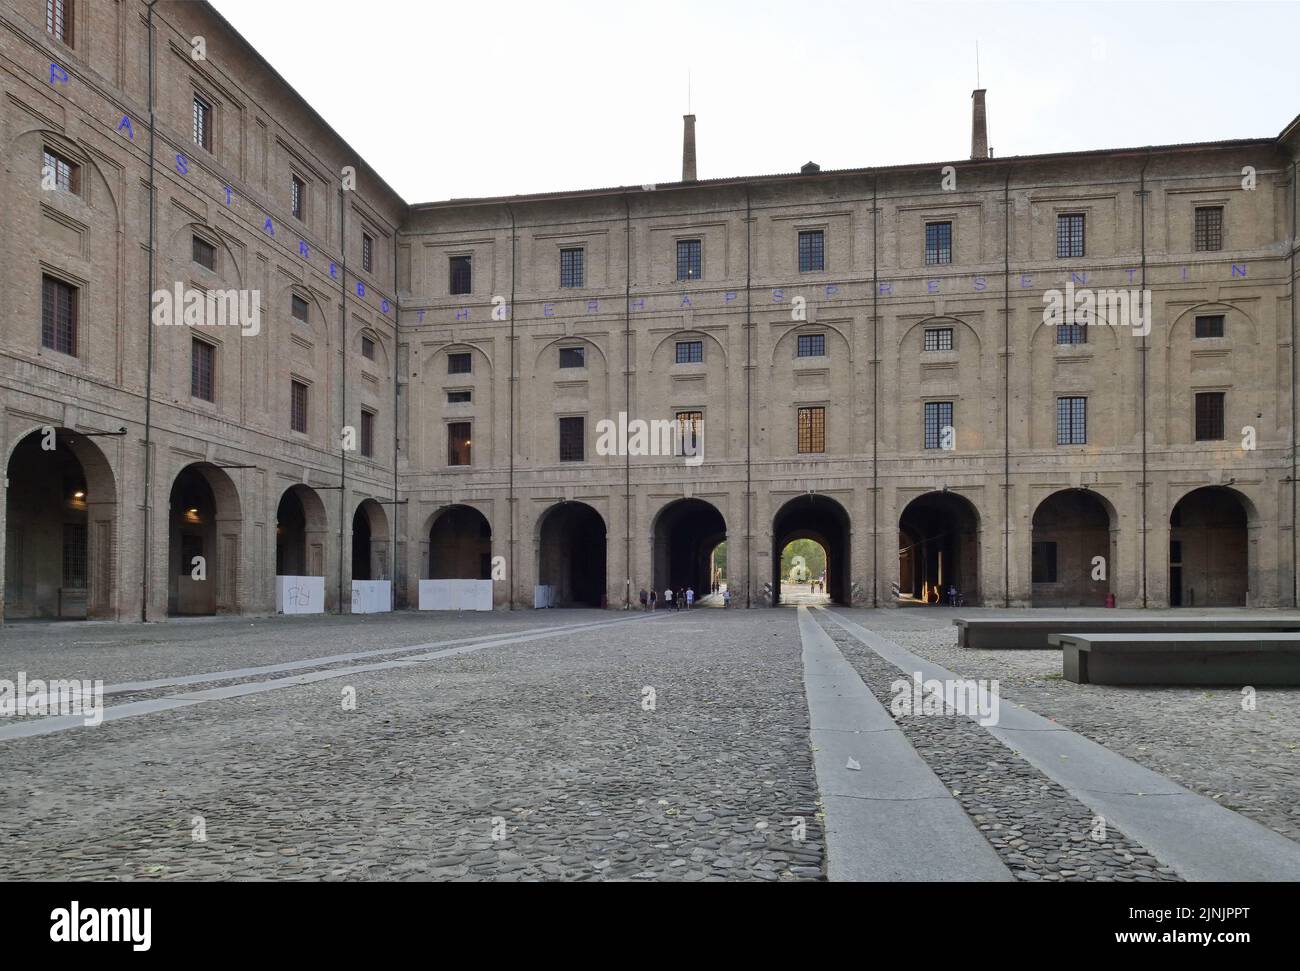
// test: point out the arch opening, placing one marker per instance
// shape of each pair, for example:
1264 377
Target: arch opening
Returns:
203 542
460 545
803 573
571 554
825 522
1073 549
300 530
369 542
686 534
1209 549
938 548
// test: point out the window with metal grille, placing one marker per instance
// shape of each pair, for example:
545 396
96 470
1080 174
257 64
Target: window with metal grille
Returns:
458 442
571 439
689 259
690 352
938 416
1071 421
298 407
938 243
298 307
1043 562
1071 333
1209 416
1210 325
74 556
573 357
367 253
202 123
203 366
938 339
1069 235
459 397
459 363
690 428
205 254
67 174
367 348
460 274
572 267
812 430
1209 228
367 433
58 19
811 345
59 312
298 191
812 251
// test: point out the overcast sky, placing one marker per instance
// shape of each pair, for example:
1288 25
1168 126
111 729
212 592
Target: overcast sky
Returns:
489 98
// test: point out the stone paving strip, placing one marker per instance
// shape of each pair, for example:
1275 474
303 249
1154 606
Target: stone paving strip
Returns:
1198 838
888 817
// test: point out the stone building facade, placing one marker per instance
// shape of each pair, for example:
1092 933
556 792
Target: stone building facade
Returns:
866 352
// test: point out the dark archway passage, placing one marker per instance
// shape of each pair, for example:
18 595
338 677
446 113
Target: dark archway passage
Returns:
938 547
825 521
300 533
571 554
1071 529
1209 549
460 545
686 532
369 542
204 521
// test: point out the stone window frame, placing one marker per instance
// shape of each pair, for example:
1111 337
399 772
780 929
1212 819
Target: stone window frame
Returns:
215 345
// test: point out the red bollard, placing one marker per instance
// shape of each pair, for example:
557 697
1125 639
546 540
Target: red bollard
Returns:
1110 600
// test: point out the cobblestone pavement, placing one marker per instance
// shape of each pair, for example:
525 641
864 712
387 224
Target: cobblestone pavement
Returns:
1201 738
547 744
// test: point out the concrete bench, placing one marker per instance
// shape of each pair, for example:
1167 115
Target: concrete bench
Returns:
1034 631
1181 658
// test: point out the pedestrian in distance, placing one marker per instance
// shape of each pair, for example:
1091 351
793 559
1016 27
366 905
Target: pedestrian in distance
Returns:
653 598
643 598
690 597
726 598
668 600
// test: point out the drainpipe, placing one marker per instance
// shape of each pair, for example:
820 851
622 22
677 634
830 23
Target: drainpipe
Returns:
397 327
627 397
749 442
343 308
1295 244
1006 391
510 499
875 393
148 381
1142 352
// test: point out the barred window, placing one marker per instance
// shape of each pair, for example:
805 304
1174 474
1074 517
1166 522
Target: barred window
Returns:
203 364
367 253
572 267
1043 562
459 363
1069 235
571 439
67 174
1071 421
298 407
690 352
205 254
812 251
461 278
1210 325
1209 416
1209 228
689 259
58 19
74 556
458 442
938 416
59 315
573 357
938 339
367 433
459 397
1071 333
938 243
202 123
812 345
299 196
690 426
367 348
298 307
812 430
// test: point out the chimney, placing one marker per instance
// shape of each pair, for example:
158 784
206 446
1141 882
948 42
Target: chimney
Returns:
688 149
979 126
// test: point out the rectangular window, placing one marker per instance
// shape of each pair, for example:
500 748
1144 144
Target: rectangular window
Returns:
812 430
67 174
571 439
458 442
1071 421
1209 228
460 274
1069 235
459 363
689 259
812 345
1043 562
1071 333
368 433
938 339
573 357
1209 416
203 363
690 352
298 407
572 267
59 311
298 189
812 251
938 416
202 123
367 253
58 19
298 307
205 254
74 556
459 397
1209 326
367 348
690 427
938 243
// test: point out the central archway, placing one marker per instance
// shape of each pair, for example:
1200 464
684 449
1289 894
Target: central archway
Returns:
1071 530
300 532
823 520
204 522
1209 549
938 548
571 554
460 545
686 532
369 541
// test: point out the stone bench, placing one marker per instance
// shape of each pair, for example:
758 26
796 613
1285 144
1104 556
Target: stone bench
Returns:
1035 631
1202 658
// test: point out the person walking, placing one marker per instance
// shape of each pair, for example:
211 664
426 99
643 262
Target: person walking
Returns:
653 597
669 604
726 597
643 598
690 597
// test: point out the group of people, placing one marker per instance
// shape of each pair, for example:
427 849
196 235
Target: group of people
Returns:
681 599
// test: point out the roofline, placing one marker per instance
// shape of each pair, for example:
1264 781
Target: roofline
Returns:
794 177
